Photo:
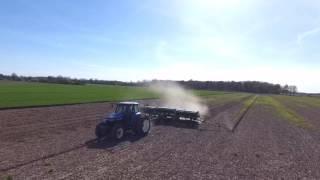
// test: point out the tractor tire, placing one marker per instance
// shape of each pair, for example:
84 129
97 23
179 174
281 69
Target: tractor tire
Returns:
100 131
117 132
143 127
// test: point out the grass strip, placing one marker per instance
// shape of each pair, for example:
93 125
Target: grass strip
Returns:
283 111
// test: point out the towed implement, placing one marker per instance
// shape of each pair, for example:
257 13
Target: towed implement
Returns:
164 113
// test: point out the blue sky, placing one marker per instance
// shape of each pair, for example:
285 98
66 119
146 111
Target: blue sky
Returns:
274 41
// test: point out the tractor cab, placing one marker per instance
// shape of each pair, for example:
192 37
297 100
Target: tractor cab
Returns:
125 111
127 107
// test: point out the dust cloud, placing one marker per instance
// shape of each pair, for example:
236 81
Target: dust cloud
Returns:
175 96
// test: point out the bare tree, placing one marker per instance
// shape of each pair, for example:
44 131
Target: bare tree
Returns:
292 89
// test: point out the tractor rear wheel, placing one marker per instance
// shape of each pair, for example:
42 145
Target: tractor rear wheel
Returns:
144 126
117 132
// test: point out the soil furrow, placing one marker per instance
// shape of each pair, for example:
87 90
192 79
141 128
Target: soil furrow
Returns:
243 114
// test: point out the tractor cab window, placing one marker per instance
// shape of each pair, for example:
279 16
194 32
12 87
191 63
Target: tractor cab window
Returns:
121 109
126 108
135 108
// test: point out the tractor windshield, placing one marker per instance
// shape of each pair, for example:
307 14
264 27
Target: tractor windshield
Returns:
122 109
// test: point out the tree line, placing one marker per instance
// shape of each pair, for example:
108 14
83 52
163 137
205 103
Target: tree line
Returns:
242 86
61 80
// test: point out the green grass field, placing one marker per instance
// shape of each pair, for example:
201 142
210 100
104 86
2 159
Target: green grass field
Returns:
24 94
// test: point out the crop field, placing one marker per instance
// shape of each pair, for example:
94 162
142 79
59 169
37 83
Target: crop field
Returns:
22 94
243 136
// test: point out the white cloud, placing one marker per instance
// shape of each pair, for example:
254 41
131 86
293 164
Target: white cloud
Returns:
306 34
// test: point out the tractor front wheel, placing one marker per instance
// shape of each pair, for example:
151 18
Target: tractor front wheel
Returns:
101 130
117 132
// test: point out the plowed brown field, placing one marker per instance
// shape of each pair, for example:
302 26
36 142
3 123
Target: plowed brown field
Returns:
59 143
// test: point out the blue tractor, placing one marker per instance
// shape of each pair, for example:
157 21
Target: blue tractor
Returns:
127 116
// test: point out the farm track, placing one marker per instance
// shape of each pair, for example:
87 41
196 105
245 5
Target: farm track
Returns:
262 145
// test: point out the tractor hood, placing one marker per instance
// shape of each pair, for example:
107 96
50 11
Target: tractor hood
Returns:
114 117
